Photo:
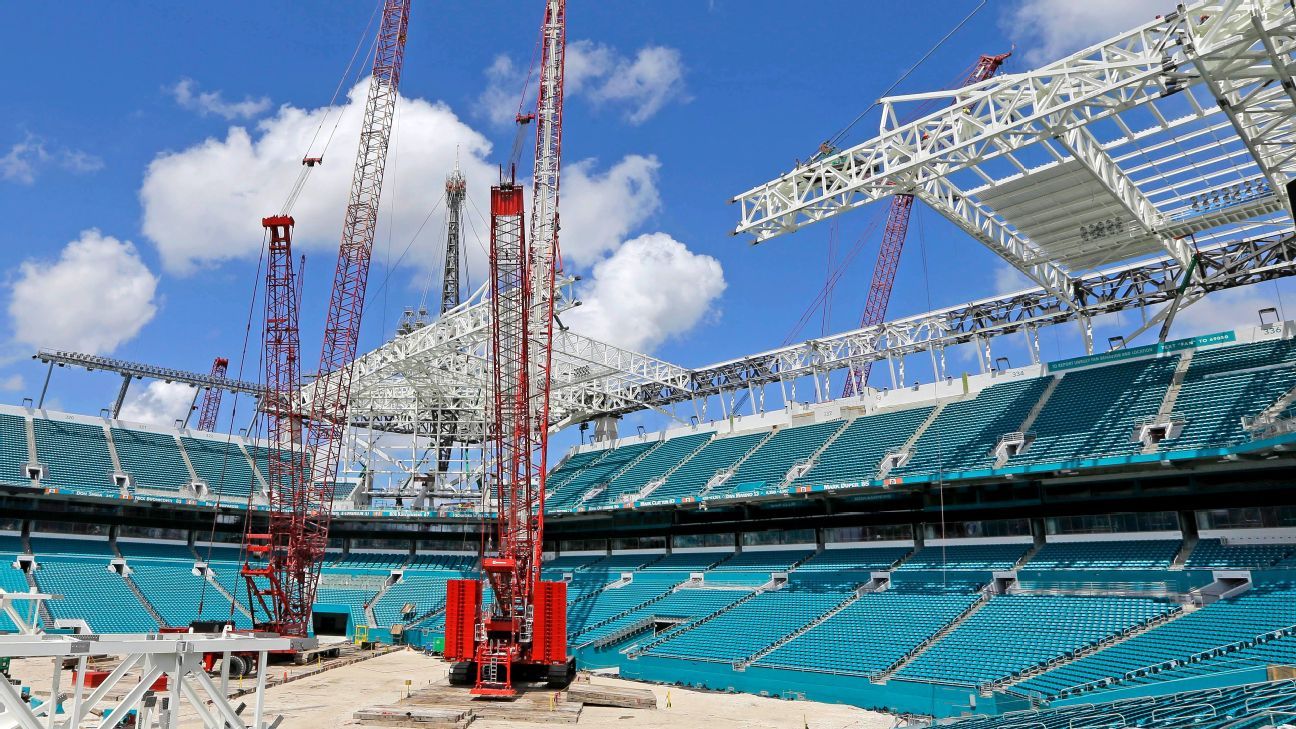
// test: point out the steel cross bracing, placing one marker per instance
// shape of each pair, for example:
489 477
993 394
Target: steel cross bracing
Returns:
893 238
1121 288
1181 126
405 385
401 385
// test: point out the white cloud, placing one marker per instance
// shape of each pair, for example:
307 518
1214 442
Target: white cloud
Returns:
209 103
499 101
204 204
641 86
12 383
24 160
1050 29
599 209
652 288
96 296
161 403
1008 280
638 86
1231 308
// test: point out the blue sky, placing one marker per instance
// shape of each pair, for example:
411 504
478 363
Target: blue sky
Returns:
174 126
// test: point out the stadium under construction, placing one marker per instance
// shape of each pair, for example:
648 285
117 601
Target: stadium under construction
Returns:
1105 540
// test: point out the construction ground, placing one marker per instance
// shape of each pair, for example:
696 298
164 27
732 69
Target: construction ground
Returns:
320 697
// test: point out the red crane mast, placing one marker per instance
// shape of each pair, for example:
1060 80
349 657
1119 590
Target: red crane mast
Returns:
522 628
893 238
212 398
282 564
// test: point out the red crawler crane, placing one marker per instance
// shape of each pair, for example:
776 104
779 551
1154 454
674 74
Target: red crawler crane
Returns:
893 238
212 398
283 562
522 629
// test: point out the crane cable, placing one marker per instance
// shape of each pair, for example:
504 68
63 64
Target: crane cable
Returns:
229 431
831 143
311 161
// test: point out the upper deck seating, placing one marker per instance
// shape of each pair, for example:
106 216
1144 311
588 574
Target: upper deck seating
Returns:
1152 554
152 460
858 451
769 464
652 466
964 434
717 455
76 456
1093 413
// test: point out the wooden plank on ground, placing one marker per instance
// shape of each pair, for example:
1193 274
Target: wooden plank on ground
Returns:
414 716
625 697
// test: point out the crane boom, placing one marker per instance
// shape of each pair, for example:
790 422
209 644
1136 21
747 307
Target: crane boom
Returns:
282 563
893 238
523 627
212 398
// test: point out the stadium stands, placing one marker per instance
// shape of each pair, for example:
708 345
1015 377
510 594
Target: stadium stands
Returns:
222 466
13 450
1123 555
1224 623
1093 412
76 456
1253 706
857 452
572 491
678 609
1215 554
93 593
891 624
965 432
653 466
1012 633
965 558
770 463
152 460
742 631
1222 385
717 455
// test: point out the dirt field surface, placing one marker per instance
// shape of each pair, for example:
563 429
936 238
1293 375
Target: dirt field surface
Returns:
329 699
